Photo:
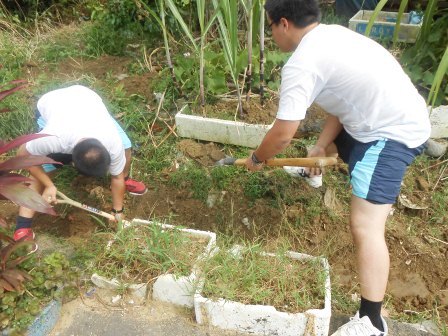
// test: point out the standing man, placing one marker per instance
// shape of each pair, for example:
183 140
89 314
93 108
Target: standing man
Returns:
377 123
83 134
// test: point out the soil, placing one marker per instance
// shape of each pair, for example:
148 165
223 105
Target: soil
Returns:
418 280
254 113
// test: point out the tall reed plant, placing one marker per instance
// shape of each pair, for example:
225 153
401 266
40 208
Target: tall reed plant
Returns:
228 30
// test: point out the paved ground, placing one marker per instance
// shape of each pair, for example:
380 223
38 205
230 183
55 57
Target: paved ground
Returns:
93 318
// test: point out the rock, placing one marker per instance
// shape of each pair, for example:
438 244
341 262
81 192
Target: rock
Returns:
426 327
436 148
103 282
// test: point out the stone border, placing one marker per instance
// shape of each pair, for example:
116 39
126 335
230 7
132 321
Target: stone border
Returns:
218 130
167 287
266 320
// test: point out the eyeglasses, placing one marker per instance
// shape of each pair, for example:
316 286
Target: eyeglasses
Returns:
270 25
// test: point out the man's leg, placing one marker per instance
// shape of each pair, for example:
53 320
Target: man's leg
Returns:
132 186
367 223
24 219
127 167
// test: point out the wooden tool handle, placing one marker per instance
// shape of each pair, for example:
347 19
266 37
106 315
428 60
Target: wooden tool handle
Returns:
65 199
318 162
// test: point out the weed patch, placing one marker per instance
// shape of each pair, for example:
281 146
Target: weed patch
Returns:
249 276
141 253
194 179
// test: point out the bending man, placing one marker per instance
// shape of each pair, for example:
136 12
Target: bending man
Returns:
83 134
377 123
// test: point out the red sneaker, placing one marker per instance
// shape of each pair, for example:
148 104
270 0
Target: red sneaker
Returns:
25 234
134 187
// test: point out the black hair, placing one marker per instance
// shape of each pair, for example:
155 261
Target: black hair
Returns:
300 12
91 158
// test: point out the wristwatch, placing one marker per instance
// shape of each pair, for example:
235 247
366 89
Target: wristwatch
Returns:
255 160
117 211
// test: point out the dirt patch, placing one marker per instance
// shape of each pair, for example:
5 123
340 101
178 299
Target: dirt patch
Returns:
253 112
140 85
206 155
313 122
99 68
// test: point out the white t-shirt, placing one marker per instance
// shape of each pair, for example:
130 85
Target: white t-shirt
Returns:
357 80
74 113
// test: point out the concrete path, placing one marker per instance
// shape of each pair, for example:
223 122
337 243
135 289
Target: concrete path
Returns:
92 318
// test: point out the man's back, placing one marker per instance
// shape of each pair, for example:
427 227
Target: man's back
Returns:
360 82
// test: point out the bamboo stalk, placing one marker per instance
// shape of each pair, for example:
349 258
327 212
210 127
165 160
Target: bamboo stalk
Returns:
227 14
262 14
249 50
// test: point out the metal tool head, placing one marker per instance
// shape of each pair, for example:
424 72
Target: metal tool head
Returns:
227 161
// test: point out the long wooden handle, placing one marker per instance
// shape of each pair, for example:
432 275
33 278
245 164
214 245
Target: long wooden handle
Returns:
65 199
318 162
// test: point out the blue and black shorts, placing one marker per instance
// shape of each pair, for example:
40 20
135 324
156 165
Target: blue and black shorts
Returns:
376 168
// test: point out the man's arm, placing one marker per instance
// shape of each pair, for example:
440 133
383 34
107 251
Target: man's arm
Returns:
330 131
49 192
274 142
118 189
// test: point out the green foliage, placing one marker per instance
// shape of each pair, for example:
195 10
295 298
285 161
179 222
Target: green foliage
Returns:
13 54
64 44
274 61
193 178
117 24
422 59
329 16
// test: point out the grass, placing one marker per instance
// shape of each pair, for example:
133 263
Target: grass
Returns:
192 178
141 253
245 274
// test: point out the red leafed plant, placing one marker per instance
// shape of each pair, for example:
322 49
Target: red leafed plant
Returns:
11 278
15 187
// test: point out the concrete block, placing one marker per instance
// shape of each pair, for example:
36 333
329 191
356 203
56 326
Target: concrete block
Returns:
384 25
266 320
439 122
180 290
46 320
218 130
